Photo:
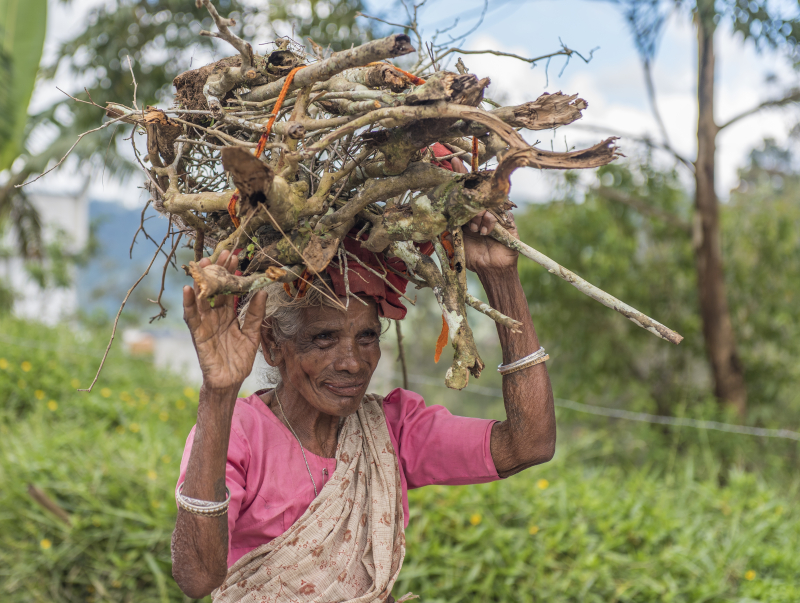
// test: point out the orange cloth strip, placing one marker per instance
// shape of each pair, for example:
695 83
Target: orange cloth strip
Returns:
442 341
417 81
262 142
475 154
232 209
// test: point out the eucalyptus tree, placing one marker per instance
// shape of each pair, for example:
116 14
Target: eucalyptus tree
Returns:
763 24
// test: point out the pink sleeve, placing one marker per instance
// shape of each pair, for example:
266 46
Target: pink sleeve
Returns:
436 447
235 473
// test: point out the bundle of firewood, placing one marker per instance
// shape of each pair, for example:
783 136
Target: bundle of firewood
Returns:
283 155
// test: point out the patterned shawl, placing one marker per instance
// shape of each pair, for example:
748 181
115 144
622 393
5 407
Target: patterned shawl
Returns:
350 543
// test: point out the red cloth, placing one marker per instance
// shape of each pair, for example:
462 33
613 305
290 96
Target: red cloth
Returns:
363 282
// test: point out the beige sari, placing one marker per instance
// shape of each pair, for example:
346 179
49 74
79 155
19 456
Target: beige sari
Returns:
349 545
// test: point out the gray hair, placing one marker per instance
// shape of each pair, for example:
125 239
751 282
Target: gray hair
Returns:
285 312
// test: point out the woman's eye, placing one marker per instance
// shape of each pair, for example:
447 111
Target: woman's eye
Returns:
369 336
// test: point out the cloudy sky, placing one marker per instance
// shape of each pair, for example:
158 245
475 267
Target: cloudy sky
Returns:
612 82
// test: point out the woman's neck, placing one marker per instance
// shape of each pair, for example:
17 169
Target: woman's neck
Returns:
318 432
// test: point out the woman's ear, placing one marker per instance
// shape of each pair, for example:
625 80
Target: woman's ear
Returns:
271 350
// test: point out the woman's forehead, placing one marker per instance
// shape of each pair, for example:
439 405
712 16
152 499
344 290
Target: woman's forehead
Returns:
357 314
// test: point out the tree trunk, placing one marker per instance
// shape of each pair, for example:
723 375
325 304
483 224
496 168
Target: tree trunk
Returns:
720 341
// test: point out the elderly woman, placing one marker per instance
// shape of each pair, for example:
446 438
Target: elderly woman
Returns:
299 493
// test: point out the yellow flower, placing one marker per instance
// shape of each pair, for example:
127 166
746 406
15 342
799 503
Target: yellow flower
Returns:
52 405
152 475
166 459
120 429
542 484
475 519
163 415
75 383
45 544
3 363
189 393
749 575
105 392
26 366
124 396
39 394
134 427
533 530
180 404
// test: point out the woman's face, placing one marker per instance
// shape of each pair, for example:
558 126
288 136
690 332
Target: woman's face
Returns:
331 360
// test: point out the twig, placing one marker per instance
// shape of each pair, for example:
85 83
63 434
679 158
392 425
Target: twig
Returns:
49 504
163 312
245 50
656 328
401 354
135 85
80 137
122 306
514 325
792 97
382 277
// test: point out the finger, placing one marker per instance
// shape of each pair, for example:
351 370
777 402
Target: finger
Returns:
223 257
475 223
233 263
202 304
488 222
190 312
255 316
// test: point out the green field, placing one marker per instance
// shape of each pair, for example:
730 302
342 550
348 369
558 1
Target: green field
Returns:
625 512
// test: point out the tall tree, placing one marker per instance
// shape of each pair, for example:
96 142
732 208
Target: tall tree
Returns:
763 24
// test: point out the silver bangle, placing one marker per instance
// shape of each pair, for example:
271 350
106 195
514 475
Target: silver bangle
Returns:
202 507
537 357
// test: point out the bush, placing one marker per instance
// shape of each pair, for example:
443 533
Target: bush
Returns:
621 514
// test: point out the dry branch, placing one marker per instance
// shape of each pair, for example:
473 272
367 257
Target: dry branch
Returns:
343 146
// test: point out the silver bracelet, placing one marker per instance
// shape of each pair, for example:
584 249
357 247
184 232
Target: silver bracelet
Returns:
537 357
202 507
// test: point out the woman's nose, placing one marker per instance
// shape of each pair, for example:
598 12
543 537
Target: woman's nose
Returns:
347 356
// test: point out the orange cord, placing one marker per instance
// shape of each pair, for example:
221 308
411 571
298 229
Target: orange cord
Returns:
262 142
417 81
442 341
474 154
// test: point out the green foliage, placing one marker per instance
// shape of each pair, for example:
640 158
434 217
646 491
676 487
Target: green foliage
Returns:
22 28
568 532
601 358
598 355
625 514
109 458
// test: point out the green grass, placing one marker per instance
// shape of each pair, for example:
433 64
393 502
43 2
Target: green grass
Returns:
623 513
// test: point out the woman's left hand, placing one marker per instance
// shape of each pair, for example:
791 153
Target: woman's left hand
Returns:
481 250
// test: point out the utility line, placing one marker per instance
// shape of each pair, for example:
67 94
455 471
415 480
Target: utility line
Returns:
628 415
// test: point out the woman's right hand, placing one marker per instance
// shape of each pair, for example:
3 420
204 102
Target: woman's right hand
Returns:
226 352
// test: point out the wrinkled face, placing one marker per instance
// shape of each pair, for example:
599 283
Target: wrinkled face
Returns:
331 360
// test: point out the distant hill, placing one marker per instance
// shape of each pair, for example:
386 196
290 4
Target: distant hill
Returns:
104 281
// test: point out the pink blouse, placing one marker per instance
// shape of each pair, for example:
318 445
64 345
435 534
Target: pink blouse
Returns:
270 486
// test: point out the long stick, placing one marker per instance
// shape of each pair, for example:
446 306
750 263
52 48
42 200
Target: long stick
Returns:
401 353
656 328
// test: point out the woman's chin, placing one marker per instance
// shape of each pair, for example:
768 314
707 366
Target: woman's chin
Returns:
345 399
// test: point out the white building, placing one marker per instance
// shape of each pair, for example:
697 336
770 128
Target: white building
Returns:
63 216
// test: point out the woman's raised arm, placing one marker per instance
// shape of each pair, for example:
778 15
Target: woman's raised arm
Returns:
528 435
226 353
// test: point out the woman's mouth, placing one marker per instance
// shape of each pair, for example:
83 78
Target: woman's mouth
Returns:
346 390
